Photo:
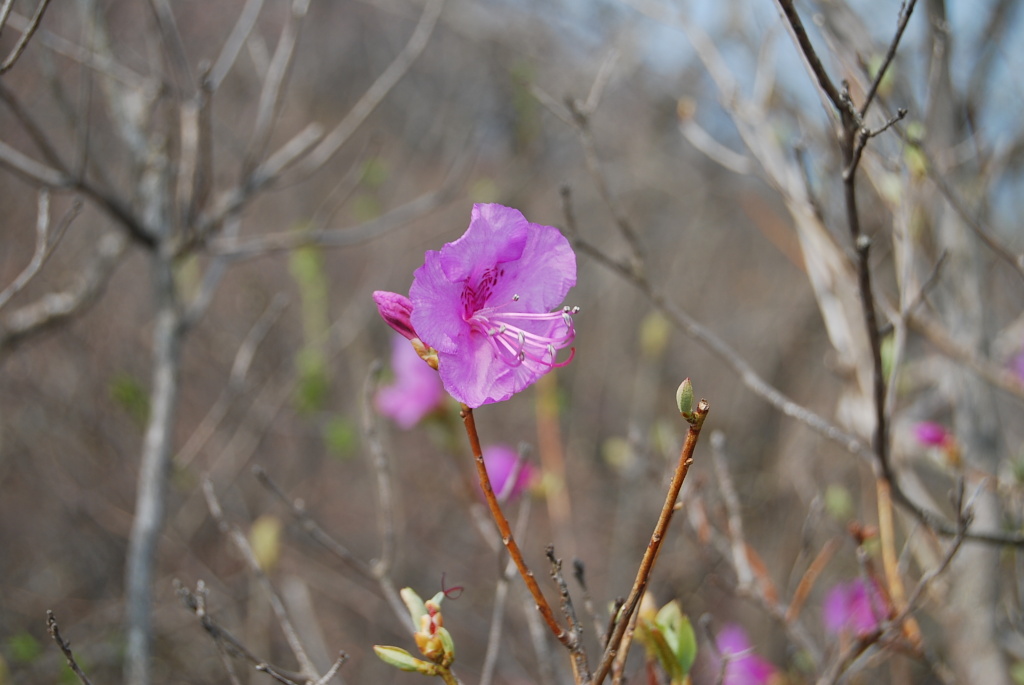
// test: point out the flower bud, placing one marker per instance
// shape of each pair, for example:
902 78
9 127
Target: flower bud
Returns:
396 310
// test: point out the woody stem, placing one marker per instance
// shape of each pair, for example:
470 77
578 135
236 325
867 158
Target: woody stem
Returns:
505 530
651 554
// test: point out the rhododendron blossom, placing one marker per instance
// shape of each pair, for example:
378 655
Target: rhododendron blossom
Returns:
484 302
416 390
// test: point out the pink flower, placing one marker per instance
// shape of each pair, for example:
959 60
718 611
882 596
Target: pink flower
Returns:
743 667
849 608
483 303
931 434
500 461
416 390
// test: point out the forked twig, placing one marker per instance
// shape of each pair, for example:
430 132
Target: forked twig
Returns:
320 536
227 644
580 668
242 545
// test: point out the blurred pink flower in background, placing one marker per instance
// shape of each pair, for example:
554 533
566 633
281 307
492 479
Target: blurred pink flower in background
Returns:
484 304
416 389
850 609
500 461
931 434
744 667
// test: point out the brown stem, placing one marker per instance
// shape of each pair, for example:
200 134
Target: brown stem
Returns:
651 555
509 541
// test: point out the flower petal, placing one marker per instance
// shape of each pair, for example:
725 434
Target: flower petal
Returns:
496 235
542 276
437 313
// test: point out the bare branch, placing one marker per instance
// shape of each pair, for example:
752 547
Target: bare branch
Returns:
270 96
580 668
235 385
319 535
376 92
803 41
385 488
685 323
227 644
344 237
233 45
643 575
54 308
103 64
45 244
241 543
906 9
174 50
26 35
54 630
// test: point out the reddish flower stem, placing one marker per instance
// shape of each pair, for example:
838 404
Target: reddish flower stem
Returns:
505 529
654 546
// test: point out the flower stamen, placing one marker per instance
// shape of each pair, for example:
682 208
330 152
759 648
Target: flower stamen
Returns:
513 341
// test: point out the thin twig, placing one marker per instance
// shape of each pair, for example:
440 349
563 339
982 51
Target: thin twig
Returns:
740 560
373 96
379 463
905 11
809 54
227 643
52 308
581 120
973 222
312 528
241 543
809 577
172 47
270 100
45 244
238 250
578 572
54 630
335 667
688 325
244 357
654 546
320 536
26 35
580 668
233 45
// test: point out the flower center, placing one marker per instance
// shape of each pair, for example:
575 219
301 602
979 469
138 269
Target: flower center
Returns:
524 337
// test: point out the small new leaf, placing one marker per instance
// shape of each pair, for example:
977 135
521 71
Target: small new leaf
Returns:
401 659
684 397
